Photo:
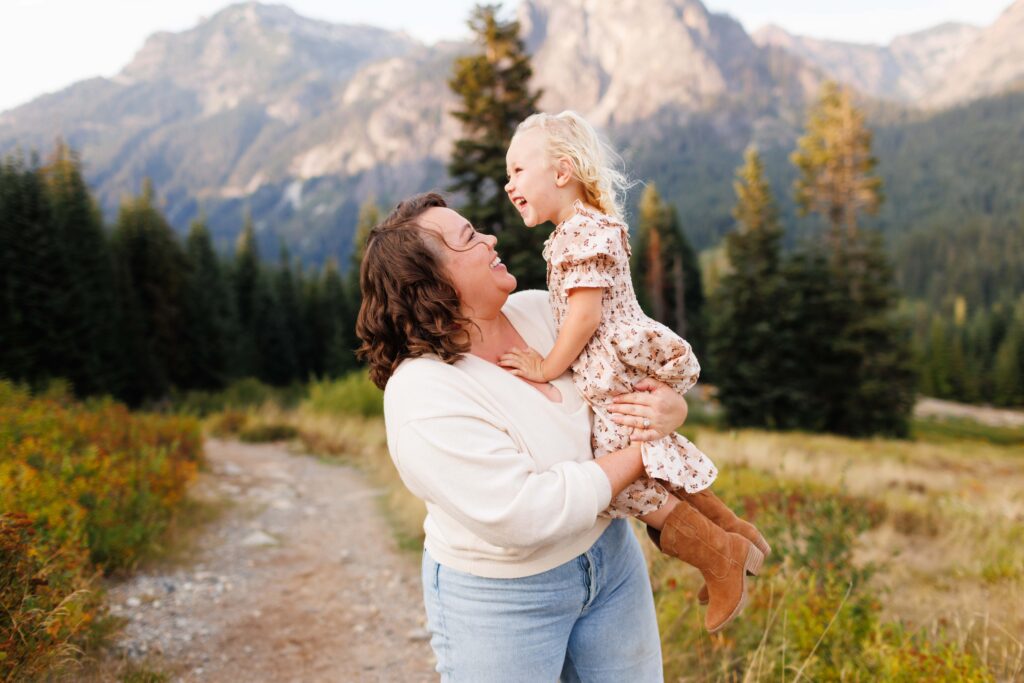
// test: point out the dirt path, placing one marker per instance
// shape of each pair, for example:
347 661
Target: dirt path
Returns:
301 581
994 417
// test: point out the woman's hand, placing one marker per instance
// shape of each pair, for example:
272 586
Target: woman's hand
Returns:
654 410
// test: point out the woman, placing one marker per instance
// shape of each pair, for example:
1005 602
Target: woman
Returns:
523 581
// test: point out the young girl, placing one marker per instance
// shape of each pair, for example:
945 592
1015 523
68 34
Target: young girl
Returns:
560 171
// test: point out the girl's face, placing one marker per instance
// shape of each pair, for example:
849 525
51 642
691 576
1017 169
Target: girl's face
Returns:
534 183
480 278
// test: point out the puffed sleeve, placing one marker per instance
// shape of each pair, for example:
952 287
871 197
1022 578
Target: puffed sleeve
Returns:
470 468
587 253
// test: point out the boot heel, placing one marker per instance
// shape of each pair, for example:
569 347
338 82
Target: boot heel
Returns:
755 559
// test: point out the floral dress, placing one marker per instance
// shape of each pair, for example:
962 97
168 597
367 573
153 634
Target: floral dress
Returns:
591 249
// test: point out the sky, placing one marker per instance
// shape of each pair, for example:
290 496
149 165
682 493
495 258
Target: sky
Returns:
46 45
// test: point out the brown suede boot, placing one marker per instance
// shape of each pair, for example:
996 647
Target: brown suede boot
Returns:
718 512
723 558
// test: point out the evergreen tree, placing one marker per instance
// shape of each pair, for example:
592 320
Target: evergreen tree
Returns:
746 346
369 216
28 288
337 350
881 381
275 354
1008 370
151 270
666 275
836 180
814 367
245 280
494 94
835 163
287 288
85 350
210 329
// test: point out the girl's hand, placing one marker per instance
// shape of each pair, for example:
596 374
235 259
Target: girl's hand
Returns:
654 410
525 363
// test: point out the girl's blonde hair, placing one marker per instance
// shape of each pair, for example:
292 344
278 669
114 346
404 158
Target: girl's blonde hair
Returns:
594 162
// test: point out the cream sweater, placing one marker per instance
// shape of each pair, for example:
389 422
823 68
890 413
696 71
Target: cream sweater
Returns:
508 477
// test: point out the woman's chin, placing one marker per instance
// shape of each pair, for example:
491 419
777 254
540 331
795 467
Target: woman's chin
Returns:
507 279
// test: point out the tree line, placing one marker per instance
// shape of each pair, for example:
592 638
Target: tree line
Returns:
135 311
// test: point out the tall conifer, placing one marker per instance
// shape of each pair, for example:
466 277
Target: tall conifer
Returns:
86 350
210 329
151 270
837 180
493 87
748 347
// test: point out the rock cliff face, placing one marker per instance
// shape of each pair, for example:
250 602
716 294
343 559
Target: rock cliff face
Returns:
624 61
993 62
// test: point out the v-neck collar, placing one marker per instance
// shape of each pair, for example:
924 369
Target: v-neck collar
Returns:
536 338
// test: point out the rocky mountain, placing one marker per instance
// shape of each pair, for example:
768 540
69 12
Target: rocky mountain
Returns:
903 70
627 61
299 121
941 66
994 62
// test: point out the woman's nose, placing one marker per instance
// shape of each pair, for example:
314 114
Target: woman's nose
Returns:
491 239
508 185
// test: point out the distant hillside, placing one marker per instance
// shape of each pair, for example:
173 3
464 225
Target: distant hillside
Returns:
938 67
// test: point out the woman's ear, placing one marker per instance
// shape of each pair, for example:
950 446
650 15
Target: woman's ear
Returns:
563 172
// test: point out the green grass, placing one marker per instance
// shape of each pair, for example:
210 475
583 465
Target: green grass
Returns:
950 430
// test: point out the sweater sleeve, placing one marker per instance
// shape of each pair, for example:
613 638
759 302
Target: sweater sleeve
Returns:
470 468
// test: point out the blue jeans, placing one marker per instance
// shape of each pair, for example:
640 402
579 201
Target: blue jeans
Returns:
589 620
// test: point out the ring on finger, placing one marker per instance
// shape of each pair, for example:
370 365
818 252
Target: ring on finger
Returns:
647 422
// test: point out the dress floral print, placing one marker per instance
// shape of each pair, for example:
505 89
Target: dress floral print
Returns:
591 249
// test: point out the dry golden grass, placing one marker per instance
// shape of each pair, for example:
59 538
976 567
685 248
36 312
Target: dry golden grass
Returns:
951 549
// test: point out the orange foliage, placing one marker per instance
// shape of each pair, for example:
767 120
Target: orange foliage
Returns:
85 488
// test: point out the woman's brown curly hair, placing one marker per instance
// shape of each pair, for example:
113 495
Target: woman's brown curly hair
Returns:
410 307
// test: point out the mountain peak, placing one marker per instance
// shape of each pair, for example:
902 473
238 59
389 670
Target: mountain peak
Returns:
252 51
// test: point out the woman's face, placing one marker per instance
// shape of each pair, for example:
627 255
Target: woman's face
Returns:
480 278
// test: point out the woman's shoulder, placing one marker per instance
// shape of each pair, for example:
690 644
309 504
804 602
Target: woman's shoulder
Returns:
414 374
531 308
528 301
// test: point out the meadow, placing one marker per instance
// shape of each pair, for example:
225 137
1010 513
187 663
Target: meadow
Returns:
895 560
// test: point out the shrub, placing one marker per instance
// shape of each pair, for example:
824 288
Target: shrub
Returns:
353 394
239 395
263 432
229 422
85 488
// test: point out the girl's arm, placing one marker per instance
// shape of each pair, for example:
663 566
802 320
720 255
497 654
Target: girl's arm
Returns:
581 322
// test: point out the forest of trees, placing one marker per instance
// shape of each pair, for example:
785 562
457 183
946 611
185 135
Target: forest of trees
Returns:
814 336
135 311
